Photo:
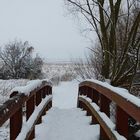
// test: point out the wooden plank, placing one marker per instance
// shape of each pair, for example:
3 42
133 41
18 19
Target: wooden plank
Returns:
122 122
15 121
30 106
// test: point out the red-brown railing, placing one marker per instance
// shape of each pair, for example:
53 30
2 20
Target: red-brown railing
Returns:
103 96
13 109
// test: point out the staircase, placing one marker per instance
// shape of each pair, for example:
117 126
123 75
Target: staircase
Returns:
67 124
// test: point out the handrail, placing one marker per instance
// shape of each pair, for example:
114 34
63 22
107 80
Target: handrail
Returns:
12 109
103 96
26 135
93 112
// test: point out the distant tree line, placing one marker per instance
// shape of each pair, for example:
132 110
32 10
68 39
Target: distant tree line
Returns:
17 61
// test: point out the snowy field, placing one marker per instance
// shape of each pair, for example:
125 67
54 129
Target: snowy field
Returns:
59 72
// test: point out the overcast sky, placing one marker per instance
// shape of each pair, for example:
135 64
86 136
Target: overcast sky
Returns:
42 23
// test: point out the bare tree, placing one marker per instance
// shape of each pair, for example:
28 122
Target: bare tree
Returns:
116 23
17 61
91 67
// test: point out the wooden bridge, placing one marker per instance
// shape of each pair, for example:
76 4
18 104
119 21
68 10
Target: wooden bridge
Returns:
93 97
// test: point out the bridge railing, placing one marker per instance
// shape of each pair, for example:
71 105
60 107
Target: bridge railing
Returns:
28 97
101 97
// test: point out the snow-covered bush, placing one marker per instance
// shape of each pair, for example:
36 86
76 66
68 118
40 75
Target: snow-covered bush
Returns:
7 85
17 61
57 72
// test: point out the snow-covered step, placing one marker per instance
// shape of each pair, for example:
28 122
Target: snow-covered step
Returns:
66 124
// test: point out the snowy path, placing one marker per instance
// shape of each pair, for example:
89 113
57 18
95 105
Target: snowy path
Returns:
65 95
64 121
67 124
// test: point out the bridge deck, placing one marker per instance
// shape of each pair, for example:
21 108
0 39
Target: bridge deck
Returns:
64 121
66 124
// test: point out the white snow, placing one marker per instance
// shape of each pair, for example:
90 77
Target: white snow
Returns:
66 124
137 134
4 131
65 95
120 91
31 85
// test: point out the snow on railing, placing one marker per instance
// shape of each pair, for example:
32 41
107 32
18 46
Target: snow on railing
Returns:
102 94
28 96
31 85
29 125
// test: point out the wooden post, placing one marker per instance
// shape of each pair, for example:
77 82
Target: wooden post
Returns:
30 105
89 92
122 122
15 122
47 90
83 90
94 120
95 96
103 135
38 101
104 107
50 91
43 92
79 104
